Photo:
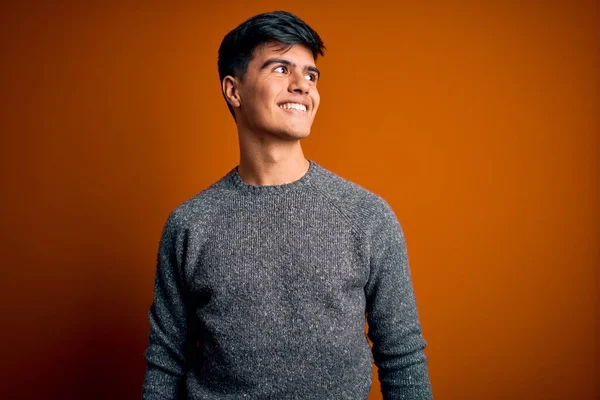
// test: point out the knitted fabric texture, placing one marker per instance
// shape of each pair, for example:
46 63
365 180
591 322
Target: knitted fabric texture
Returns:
262 292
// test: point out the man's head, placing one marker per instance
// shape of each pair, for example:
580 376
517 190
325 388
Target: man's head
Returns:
268 74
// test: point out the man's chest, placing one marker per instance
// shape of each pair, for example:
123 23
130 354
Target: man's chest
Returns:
283 256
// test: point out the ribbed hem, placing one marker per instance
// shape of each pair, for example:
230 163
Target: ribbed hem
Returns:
236 179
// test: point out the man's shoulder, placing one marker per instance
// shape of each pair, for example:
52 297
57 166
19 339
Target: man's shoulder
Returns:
200 207
351 197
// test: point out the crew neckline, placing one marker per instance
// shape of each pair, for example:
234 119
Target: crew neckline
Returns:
302 181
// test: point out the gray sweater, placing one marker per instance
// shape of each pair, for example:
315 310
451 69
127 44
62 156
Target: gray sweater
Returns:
262 292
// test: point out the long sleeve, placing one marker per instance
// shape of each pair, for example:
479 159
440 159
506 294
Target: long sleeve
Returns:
394 327
166 352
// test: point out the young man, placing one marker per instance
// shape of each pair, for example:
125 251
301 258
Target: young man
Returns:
265 279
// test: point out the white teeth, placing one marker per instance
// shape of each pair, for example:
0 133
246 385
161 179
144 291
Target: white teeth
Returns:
295 106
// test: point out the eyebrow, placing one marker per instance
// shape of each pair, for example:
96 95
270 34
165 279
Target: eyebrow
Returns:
271 61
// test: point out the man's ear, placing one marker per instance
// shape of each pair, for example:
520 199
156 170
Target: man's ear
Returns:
230 89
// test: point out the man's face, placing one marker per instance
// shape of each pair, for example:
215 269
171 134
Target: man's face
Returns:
278 92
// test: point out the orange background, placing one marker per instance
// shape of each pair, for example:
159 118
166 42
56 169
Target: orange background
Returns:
477 122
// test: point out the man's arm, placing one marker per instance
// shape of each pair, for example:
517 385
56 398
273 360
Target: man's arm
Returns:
394 327
166 352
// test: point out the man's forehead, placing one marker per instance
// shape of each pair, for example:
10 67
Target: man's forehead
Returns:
278 49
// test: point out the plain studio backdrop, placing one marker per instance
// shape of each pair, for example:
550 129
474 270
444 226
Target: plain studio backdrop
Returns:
478 122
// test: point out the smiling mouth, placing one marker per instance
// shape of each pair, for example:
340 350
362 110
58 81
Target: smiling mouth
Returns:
293 106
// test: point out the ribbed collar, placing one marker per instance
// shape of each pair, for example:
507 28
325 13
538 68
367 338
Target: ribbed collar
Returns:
236 179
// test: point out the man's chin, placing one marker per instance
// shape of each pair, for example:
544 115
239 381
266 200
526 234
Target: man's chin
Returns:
294 134
300 135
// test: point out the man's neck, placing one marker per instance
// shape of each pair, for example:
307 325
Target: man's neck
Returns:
272 163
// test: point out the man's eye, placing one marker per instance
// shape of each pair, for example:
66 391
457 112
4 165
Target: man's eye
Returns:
281 69
311 77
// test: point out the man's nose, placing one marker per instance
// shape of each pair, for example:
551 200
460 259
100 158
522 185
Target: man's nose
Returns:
298 83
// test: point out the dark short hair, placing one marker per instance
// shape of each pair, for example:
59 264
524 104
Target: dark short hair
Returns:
237 47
